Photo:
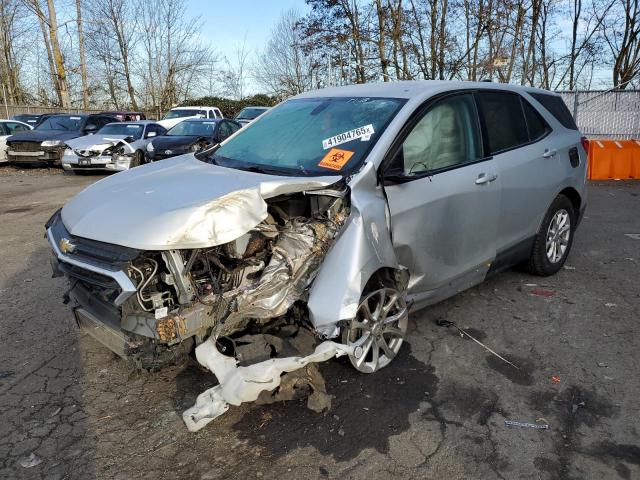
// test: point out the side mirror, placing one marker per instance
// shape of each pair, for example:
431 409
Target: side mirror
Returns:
151 134
90 129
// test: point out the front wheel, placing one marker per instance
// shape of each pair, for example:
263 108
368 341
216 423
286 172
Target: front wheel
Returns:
378 330
554 239
137 160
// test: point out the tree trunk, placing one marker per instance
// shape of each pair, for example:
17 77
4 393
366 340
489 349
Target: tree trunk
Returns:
83 62
63 86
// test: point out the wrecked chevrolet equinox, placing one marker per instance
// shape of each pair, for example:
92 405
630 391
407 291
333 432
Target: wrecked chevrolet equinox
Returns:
309 234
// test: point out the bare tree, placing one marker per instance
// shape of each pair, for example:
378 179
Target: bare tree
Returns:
173 61
83 61
622 35
283 68
234 76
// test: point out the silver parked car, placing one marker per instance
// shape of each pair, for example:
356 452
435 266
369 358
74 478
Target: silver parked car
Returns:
115 147
326 219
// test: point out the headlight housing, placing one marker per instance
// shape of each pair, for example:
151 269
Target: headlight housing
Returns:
150 147
51 143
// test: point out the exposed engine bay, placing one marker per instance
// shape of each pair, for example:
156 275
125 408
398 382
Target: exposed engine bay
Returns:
245 299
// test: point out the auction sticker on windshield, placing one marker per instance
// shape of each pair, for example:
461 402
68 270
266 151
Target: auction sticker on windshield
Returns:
363 133
335 159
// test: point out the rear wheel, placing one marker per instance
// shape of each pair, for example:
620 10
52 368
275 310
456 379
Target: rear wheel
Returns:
378 329
554 239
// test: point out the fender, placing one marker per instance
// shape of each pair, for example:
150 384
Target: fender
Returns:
363 247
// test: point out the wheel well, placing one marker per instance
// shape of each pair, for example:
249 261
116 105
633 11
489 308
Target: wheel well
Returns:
388 277
573 195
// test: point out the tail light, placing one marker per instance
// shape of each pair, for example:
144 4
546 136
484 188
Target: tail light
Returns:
585 143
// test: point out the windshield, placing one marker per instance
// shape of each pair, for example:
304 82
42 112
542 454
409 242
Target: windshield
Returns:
62 122
184 113
134 131
250 113
315 136
193 129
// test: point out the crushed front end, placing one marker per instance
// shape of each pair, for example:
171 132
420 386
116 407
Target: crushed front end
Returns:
152 307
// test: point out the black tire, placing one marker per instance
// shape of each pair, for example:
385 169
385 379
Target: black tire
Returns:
539 263
138 159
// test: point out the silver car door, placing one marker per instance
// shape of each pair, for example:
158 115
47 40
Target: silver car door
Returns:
525 151
444 200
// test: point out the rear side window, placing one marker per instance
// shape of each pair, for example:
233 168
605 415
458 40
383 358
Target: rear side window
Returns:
504 121
538 128
557 108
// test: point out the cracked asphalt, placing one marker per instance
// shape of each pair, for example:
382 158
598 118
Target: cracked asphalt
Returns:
437 411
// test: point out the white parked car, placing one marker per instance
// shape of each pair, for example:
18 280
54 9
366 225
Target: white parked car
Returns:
8 128
115 147
178 114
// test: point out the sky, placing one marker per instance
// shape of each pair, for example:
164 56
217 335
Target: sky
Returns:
226 23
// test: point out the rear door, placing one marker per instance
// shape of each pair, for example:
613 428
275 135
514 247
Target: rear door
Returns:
444 199
521 142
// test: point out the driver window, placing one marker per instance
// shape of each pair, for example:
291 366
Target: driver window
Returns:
445 136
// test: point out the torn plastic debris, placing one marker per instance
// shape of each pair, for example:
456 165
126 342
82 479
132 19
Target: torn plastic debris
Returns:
244 384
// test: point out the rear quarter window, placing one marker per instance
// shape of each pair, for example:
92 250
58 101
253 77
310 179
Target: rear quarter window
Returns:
557 108
503 119
538 128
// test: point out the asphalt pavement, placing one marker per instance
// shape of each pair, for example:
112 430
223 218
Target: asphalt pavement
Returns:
71 409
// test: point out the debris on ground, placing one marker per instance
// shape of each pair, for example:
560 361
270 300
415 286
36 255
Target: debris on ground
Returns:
602 365
555 379
257 381
447 323
610 305
576 406
5 374
567 267
513 423
543 292
30 461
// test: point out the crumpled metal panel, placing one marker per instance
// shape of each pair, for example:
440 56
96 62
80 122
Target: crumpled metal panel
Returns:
363 247
178 203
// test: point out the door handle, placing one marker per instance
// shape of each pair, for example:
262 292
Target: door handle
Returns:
549 153
486 178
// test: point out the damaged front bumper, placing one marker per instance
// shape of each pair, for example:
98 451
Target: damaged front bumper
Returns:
111 163
146 304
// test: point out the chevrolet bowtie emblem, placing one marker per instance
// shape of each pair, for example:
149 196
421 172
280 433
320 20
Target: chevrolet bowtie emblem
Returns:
168 152
66 246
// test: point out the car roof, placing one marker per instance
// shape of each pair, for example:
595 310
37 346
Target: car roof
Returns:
194 106
412 88
203 120
135 122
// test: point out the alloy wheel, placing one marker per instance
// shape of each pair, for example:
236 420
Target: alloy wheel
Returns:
558 235
378 330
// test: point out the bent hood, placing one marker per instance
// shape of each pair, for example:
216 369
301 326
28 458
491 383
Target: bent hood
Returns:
95 142
42 135
178 203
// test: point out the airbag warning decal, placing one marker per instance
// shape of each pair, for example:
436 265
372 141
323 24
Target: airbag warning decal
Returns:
335 159
363 133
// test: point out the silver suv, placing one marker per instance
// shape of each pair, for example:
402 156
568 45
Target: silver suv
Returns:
326 219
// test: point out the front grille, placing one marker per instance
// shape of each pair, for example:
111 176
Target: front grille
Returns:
25 146
106 255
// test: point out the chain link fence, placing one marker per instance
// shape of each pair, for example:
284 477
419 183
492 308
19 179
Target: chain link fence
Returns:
606 114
